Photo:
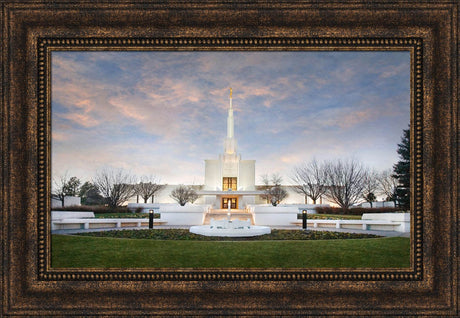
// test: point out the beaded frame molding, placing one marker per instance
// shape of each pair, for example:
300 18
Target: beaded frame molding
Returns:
32 29
46 46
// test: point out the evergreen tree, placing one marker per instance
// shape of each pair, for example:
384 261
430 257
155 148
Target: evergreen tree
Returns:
73 186
402 171
64 187
89 194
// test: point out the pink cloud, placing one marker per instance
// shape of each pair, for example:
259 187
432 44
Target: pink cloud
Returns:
59 136
127 110
85 120
355 117
391 71
290 159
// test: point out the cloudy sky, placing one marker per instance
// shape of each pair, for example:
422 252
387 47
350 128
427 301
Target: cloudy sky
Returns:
163 113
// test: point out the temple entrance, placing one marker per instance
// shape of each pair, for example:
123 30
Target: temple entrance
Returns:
232 202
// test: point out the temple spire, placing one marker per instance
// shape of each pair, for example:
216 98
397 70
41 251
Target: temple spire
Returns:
230 124
230 142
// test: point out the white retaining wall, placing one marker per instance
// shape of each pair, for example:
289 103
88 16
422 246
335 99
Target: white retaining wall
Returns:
274 215
69 215
68 201
59 215
94 223
189 214
282 214
401 219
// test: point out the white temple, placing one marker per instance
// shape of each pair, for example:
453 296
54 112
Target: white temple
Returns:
229 181
229 203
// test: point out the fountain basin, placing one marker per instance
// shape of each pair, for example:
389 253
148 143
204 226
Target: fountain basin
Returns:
253 230
227 228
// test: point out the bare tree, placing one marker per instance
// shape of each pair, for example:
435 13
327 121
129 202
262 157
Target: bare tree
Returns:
276 179
345 181
265 187
277 194
183 194
147 187
388 184
65 186
59 188
116 186
273 192
370 186
309 180
195 195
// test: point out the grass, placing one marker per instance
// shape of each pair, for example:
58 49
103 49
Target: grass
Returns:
103 252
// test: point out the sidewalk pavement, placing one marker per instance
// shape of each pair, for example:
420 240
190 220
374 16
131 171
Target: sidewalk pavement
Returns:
292 227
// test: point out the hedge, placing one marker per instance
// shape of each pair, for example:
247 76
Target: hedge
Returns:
94 208
356 211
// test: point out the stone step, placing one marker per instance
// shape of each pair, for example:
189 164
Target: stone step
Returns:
221 214
225 211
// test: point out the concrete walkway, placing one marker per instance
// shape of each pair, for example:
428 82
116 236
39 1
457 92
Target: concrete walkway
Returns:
293 227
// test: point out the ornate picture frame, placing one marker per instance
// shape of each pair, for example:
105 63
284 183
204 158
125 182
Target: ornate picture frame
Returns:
32 29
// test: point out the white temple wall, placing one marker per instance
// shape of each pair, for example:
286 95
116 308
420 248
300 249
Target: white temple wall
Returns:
211 200
230 167
212 175
293 197
247 200
246 177
164 197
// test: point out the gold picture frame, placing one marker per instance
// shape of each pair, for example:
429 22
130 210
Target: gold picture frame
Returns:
32 29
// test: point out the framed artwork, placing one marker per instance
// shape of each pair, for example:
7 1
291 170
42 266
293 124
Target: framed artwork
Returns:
119 113
129 80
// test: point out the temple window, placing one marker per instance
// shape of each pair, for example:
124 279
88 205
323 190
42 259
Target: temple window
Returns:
229 183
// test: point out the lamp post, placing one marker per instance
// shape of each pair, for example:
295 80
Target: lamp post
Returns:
304 220
150 219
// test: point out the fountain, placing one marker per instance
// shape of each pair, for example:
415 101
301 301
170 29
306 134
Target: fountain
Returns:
230 228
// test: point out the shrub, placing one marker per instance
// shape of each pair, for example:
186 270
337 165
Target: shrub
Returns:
94 208
183 194
127 216
356 211
182 234
328 217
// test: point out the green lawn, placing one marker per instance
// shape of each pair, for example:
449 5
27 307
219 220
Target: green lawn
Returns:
102 252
